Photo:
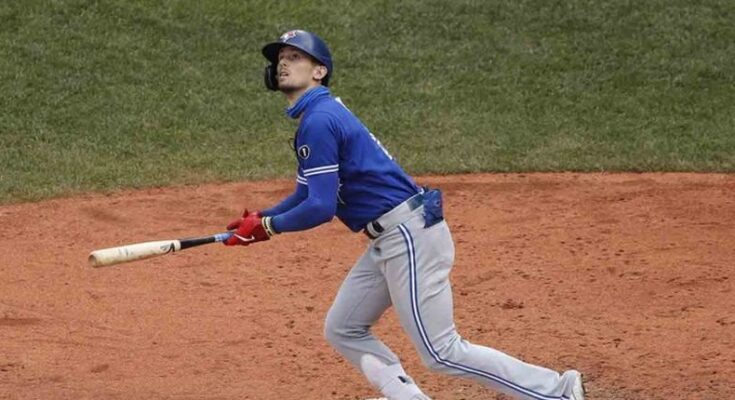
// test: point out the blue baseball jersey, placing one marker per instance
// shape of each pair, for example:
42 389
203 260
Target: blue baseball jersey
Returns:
333 145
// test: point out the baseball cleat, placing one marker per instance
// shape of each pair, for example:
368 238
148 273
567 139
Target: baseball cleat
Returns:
578 388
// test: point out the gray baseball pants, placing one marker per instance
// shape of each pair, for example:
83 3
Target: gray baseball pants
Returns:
408 267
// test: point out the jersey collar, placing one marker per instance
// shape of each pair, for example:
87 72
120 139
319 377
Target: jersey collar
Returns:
307 98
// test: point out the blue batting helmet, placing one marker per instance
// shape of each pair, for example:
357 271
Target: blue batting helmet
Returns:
307 42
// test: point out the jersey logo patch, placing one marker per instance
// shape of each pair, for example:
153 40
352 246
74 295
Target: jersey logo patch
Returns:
304 152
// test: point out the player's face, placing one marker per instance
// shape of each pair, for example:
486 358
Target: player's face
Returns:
297 71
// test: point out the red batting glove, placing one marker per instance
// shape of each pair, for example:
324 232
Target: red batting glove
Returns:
249 229
236 223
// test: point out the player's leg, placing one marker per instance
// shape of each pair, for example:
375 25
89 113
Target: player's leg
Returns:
361 300
421 293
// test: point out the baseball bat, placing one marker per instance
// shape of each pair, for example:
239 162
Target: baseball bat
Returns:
139 251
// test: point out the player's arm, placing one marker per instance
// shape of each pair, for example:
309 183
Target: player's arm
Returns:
319 158
240 226
319 206
320 163
299 195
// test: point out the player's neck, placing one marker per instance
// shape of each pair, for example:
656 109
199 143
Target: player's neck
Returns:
294 96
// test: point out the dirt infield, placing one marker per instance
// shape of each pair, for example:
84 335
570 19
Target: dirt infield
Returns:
627 277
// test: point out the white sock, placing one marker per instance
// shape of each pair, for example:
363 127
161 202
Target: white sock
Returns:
391 380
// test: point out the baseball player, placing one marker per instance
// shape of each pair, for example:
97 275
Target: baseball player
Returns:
343 170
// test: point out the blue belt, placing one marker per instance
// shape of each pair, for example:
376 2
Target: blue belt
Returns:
413 203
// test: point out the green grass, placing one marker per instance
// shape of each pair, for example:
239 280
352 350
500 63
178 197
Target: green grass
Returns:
97 95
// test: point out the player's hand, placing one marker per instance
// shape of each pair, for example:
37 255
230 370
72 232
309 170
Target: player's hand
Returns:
236 223
248 229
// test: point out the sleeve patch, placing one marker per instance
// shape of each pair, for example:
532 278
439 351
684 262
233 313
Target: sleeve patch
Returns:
304 152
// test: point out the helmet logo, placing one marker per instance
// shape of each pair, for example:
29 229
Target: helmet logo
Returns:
288 35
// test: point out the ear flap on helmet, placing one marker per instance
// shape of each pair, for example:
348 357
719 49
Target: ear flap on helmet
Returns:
271 80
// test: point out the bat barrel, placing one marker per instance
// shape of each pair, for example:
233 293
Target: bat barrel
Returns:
139 251
93 260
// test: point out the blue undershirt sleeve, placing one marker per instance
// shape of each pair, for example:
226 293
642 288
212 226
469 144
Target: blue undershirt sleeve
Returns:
319 207
289 202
